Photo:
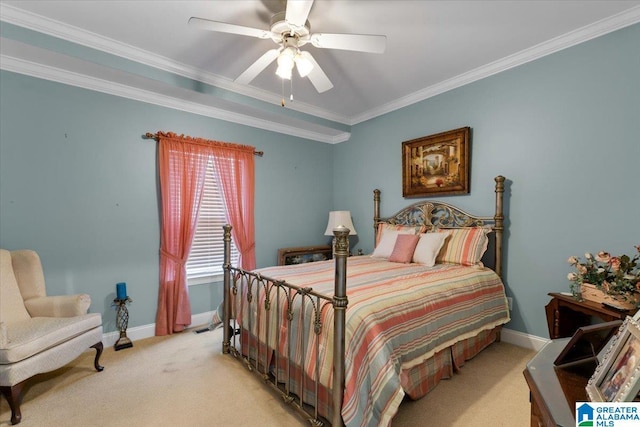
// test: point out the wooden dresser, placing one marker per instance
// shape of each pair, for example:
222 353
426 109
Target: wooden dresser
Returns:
553 390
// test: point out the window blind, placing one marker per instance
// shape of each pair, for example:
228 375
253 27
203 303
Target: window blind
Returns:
207 251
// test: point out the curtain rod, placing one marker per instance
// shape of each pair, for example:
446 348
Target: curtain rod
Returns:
150 135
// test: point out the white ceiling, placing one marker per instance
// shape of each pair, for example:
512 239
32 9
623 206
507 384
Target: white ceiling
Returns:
432 46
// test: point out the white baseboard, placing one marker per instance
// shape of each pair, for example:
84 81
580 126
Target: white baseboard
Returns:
147 331
521 339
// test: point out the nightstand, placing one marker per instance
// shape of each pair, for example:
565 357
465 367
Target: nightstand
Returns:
304 254
565 314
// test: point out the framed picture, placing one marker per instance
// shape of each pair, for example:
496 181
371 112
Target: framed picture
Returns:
587 342
617 377
436 165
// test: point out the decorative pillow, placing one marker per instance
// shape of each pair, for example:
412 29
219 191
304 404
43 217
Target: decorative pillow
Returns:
386 238
384 228
404 247
386 244
428 247
464 246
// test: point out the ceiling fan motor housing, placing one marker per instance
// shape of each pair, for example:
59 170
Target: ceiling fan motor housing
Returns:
282 31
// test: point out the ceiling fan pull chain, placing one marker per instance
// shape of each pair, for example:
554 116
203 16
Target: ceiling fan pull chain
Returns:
282 102
291 89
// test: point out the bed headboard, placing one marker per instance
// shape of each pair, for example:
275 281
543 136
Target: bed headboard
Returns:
436 214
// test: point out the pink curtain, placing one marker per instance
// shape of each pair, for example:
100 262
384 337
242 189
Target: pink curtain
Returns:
182 164
182 169
235 167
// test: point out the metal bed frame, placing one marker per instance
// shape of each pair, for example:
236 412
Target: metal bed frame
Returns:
262 359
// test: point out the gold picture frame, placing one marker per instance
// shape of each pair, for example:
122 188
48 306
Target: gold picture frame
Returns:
617 377
436 165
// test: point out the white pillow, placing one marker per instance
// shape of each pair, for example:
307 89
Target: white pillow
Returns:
388 242
428 248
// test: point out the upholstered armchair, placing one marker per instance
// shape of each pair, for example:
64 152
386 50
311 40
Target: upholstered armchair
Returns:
38 333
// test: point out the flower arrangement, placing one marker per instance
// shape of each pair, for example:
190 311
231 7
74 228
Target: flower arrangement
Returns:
614 275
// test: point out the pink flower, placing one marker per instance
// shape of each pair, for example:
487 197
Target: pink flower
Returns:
615 263
572 260
617 275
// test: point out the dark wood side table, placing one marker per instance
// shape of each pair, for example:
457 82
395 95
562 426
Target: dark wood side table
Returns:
554 391
565 314
304 254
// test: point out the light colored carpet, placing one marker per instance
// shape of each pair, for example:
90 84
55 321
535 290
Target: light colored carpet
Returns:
185 380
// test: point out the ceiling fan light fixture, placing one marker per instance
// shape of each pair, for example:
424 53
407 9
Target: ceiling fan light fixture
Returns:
303 63
286 61
284 72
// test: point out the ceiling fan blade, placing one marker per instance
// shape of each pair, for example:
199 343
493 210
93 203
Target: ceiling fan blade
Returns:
358 42
257 67
317 77
298 12
223 27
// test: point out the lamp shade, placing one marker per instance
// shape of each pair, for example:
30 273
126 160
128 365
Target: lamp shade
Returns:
337 218
303 63
286 61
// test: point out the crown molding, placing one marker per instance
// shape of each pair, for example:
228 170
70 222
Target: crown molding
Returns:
580 35
18 57
76 35
51 27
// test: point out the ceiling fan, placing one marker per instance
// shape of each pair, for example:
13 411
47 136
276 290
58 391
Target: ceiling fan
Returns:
291 30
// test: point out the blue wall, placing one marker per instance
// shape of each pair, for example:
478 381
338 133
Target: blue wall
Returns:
78 183
564 130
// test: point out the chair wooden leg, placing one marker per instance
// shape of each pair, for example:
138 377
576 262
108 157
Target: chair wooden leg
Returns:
96 363
13 394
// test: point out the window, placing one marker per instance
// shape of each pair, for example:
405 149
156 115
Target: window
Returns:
207 252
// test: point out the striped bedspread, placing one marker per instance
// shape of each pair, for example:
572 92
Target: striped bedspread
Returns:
398 316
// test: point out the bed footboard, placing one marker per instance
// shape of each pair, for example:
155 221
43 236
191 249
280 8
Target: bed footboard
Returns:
264 307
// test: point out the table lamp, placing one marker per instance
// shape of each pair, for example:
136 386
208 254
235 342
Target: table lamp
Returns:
337 218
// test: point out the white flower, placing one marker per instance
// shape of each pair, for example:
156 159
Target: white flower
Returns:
572 276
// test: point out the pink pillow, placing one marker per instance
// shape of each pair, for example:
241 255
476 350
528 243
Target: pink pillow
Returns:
404 247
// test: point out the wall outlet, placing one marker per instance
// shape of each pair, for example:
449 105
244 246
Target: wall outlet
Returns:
510 302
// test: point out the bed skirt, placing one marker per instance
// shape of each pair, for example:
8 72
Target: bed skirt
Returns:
416 382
